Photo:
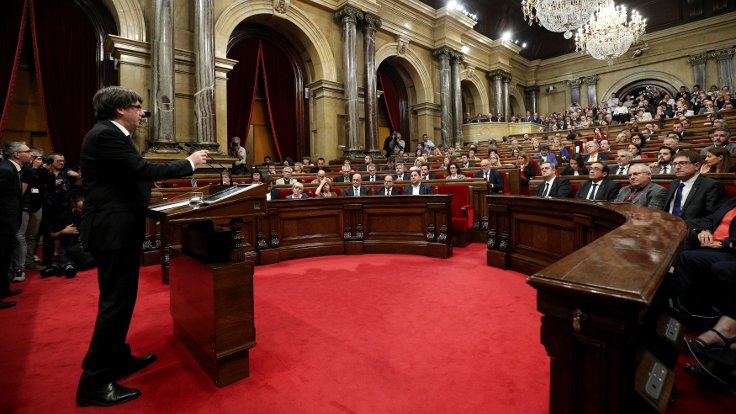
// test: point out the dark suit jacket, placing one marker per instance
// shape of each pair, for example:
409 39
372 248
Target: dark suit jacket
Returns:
10 195
423 189
367 179
406 176
117 188
607 190
703 199
495 178
350 191
275 193
601 157
341 179
560 189
394 191
529 173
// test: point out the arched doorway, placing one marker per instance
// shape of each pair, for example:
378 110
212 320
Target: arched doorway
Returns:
266 102
393 103
647 86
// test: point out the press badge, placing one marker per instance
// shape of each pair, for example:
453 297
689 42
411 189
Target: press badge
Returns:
34 190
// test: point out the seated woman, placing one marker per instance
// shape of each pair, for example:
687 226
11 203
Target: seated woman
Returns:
324 190
445 164
298 168
639 139
256 177
636 151
495 160
297 191
535 145
226 180
454 172
598 135
526 169
576 167
558 147
717 160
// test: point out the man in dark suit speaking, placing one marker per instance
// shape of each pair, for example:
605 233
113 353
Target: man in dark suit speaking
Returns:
117 193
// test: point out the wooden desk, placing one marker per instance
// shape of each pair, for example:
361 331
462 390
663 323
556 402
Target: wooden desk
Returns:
596 269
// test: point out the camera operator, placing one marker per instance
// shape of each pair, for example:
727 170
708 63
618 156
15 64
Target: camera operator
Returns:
57 199
239 153
72 256
394 144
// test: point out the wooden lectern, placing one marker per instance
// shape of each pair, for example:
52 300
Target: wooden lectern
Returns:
211 277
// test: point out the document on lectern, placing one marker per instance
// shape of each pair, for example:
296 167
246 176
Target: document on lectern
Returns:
234 190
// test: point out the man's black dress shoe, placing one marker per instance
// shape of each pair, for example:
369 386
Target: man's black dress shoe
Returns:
11 292
5 305
105 395
136 364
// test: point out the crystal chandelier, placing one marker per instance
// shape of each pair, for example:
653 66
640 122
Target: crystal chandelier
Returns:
559 15
610 33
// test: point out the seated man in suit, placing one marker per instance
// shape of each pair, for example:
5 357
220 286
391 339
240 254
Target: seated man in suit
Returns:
297 191
400 174
692 195
591 148
417 187
286 177
426 174
492 177
388 188
345 177
554 186
320 165
720 137
664 161
357 189
623 159
372 177
366 161
598 188
679 130
465 163
321 174
642 190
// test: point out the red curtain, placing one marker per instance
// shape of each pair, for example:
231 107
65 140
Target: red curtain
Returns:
63 39
241 87
12 27
280 83
391 100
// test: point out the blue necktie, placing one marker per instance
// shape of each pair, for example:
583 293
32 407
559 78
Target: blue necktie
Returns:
678 200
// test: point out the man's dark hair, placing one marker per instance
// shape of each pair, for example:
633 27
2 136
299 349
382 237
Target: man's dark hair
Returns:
691 156
604 168
672 152
107 100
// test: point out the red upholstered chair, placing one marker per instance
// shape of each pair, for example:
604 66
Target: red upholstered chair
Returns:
504 176
730 190
575 187
283 192
461 209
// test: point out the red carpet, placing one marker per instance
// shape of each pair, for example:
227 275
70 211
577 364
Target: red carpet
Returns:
340 334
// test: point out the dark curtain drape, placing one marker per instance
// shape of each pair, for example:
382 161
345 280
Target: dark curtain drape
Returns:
67 73
12 26
241 87
280 84
391 100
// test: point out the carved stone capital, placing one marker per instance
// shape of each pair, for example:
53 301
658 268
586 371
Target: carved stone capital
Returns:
575 83
442 53
531 89
501 74
371 21
700 59
591 80
456 57
349 14
723 54
402 44
281 6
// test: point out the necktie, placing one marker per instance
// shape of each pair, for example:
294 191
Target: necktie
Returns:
665 169
356 191
546 190
593 189
620 171
676 209
388 192
487 177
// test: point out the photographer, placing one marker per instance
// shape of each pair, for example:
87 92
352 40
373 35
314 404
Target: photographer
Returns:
394 144
72 256
57 199
238 153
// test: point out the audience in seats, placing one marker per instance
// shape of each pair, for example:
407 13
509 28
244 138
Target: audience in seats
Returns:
367 160
320 165
546 156
553 186
664 161
717 161
623 162
575 167
591 149
372 177
672 141
345 172
357 189
491 176
642 190
388 188
321 174
691 195
455 173
417 187
255 177
286 177
297 191
527 170
679 130
598 188
324 189
721 138
272 193
426 174
400 174
635 150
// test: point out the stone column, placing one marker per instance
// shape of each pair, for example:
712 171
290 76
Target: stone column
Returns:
592 82
371 23
698 63
162 138
457 104
349 16
724 59
506 104
574 86
496 76
204 98
532 91
443 54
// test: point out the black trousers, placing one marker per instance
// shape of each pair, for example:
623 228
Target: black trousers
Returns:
117 276
6 251
706 277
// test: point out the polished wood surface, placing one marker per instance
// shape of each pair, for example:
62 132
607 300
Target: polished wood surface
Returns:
597 269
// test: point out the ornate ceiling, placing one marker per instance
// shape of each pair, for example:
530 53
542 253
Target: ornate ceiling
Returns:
498 16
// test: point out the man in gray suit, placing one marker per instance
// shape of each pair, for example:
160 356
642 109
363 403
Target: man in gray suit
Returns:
642 190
